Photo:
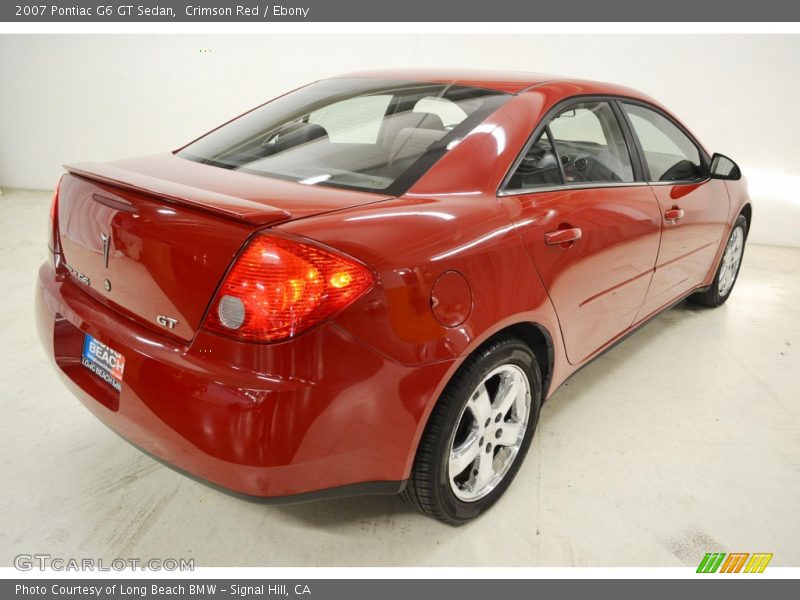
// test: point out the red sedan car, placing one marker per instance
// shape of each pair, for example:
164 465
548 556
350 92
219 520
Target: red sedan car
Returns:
372 283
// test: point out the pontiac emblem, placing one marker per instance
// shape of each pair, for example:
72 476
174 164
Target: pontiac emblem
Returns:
106 239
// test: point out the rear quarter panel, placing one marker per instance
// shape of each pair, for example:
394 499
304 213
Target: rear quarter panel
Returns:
450 220
410 245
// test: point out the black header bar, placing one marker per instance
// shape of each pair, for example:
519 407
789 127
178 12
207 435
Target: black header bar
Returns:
440 11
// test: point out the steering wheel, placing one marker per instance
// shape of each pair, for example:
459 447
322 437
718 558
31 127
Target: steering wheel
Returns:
537 159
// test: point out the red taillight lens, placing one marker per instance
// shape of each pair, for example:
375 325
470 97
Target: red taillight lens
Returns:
280 287
54 206
53 241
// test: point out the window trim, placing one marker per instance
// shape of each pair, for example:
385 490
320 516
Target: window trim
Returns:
637 158
548 132
641 174
572 186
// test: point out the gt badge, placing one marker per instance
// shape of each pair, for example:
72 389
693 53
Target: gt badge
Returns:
167 322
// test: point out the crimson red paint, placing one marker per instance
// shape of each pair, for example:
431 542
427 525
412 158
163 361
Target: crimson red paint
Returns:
379 298
451 299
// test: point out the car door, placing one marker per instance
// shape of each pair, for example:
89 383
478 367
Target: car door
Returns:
590 225
694 208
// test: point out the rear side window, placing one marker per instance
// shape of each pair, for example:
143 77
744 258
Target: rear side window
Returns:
538 167
669 153
590 144
581 144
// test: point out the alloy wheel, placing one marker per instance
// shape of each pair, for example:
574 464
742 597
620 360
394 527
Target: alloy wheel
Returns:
489 433
731 261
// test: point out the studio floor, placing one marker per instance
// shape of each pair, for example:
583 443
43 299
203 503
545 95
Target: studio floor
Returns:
682 440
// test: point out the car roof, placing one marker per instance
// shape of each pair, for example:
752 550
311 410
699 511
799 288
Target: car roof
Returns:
511 82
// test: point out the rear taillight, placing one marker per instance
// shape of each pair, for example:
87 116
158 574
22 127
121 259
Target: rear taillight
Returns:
281 286
53 242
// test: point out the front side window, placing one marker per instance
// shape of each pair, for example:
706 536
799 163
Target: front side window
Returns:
362 134
669 153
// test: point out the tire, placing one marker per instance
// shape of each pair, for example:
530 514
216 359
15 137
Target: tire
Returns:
720 290
503 371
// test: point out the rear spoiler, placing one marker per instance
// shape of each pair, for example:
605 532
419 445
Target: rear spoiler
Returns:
231 207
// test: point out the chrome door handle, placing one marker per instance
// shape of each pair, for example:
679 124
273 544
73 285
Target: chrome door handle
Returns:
563 236
673 214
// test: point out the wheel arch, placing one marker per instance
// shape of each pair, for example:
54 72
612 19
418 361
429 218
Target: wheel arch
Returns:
747 212
535 335
538 339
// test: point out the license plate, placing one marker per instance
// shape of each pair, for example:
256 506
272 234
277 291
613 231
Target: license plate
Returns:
103 361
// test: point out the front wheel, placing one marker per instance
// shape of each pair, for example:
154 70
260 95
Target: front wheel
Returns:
728 269
478 433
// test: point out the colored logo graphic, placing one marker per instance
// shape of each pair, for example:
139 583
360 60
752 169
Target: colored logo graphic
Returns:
103 356
736 562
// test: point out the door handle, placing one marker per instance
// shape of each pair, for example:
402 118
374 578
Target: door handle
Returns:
673 214
565 237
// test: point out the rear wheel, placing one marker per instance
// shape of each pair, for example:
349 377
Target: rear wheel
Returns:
728 269
478 433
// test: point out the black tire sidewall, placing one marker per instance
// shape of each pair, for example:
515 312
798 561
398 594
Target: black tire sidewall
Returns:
511 352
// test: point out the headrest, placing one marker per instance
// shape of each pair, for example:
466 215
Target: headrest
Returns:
297 134
413 142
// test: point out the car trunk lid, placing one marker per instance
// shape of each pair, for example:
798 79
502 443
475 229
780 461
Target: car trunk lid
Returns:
152 238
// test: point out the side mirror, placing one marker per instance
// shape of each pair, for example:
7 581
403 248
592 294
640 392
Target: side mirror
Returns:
723 167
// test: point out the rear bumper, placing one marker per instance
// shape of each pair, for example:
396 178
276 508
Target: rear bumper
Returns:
320 415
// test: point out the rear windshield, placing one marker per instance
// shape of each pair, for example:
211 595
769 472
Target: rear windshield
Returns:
363 134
